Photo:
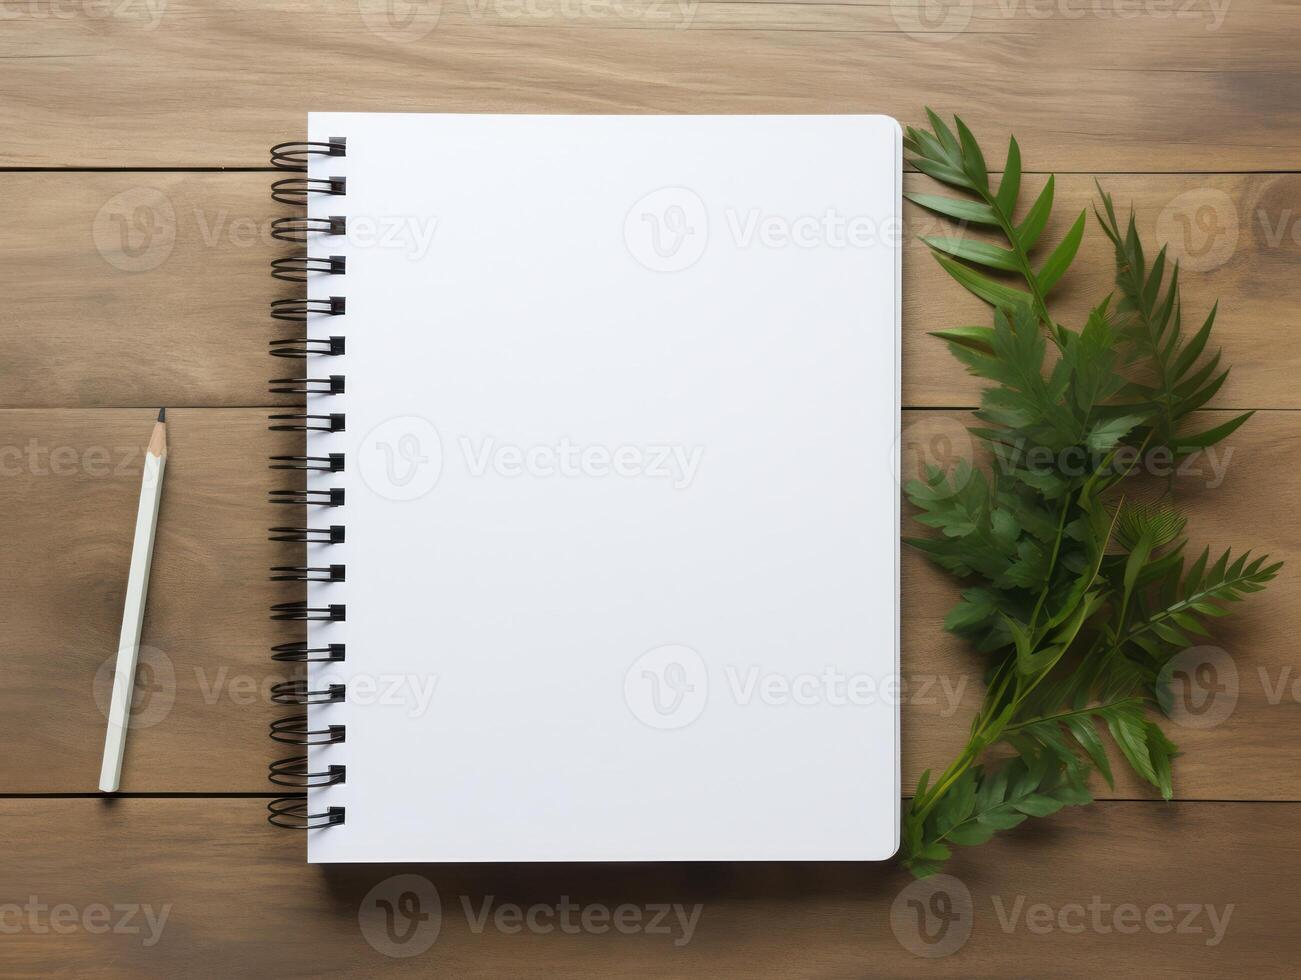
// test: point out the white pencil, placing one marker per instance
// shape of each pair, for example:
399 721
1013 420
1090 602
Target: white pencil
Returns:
137 587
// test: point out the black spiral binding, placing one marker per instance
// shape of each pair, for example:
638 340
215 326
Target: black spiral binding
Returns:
305 347
334 534
300 653
303 267
308 573
294 772
293 156
333 385
333 497
297 268
296 190
300 310
332 463
296 692
298 422
301 230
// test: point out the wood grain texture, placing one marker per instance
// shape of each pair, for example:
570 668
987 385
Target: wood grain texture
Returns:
145 289
67 499
151 289
68 496
214 892
1191 86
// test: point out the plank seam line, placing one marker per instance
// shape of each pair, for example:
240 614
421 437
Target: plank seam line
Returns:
127 169
268 796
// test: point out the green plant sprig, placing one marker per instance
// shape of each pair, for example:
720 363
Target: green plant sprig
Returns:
959 162
1076 596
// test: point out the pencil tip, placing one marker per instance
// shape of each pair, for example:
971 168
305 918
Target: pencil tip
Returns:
162 415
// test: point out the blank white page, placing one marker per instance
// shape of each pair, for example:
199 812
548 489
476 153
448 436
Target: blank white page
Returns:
622 400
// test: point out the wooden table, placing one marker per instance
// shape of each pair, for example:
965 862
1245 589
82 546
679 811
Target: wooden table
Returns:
133 262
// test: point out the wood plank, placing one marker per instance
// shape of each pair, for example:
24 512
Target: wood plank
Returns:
1236 238
143 289
152 84
151 288
67 499
206 888
68 493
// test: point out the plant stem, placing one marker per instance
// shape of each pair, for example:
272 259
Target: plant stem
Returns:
1062 716
1187 602
1052 563
975 744
1023 263
951 775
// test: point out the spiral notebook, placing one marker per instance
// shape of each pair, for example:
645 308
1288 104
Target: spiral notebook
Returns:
600 512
